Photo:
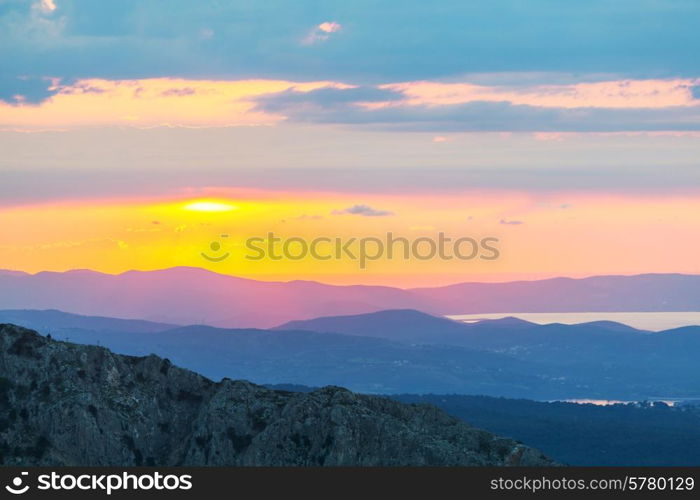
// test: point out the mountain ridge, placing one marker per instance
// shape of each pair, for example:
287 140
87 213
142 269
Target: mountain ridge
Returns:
188 295
505 357
110 409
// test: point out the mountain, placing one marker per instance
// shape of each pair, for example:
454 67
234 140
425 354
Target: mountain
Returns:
683 330
6 272
644 292
508 335
66 404
365 364
403 325
407 325
414 352
185 296
53 321
605 358
190 295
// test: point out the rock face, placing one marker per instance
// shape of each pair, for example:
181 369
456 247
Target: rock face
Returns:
67 404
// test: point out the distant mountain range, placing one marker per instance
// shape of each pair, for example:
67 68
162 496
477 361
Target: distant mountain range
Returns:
68 405
599 357
367 364
406 351
52 320
196 296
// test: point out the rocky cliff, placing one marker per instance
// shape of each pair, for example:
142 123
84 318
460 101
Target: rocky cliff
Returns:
67 404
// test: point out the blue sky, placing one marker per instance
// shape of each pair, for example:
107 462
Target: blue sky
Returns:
379 41
499 94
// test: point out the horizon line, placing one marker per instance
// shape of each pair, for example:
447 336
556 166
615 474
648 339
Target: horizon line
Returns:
297 280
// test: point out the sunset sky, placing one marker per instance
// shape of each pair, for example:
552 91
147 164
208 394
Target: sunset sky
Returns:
136 133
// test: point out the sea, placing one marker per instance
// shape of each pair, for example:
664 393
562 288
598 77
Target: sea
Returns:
651 321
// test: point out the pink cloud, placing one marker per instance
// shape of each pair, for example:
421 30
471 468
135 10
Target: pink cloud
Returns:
321 32
46 5
549 136
608 94
329 27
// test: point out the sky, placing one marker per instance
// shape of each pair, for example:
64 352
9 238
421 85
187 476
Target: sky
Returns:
569 131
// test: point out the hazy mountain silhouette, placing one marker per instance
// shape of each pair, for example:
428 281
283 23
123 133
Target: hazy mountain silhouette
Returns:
365 364
417 327
190 295
403 325
408 351
53 320
621 359
644 292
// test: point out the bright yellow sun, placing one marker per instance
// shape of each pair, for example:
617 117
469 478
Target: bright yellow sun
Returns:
210 206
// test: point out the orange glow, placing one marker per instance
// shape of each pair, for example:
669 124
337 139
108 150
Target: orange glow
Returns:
154 102
572 234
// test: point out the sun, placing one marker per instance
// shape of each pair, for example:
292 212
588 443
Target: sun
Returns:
210 206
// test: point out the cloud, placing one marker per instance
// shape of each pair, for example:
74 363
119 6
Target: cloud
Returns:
511 222
549 136
323 103
613 94
426 41
80 87
142 172
326 97
178 92
329 27
26 90
144 103
340 106
321 33
648 93
548 112
363 210
47 5
307 217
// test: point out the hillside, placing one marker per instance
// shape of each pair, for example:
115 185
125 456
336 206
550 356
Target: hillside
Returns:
640 434
67 404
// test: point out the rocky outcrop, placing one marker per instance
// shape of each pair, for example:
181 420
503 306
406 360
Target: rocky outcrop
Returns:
67 404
